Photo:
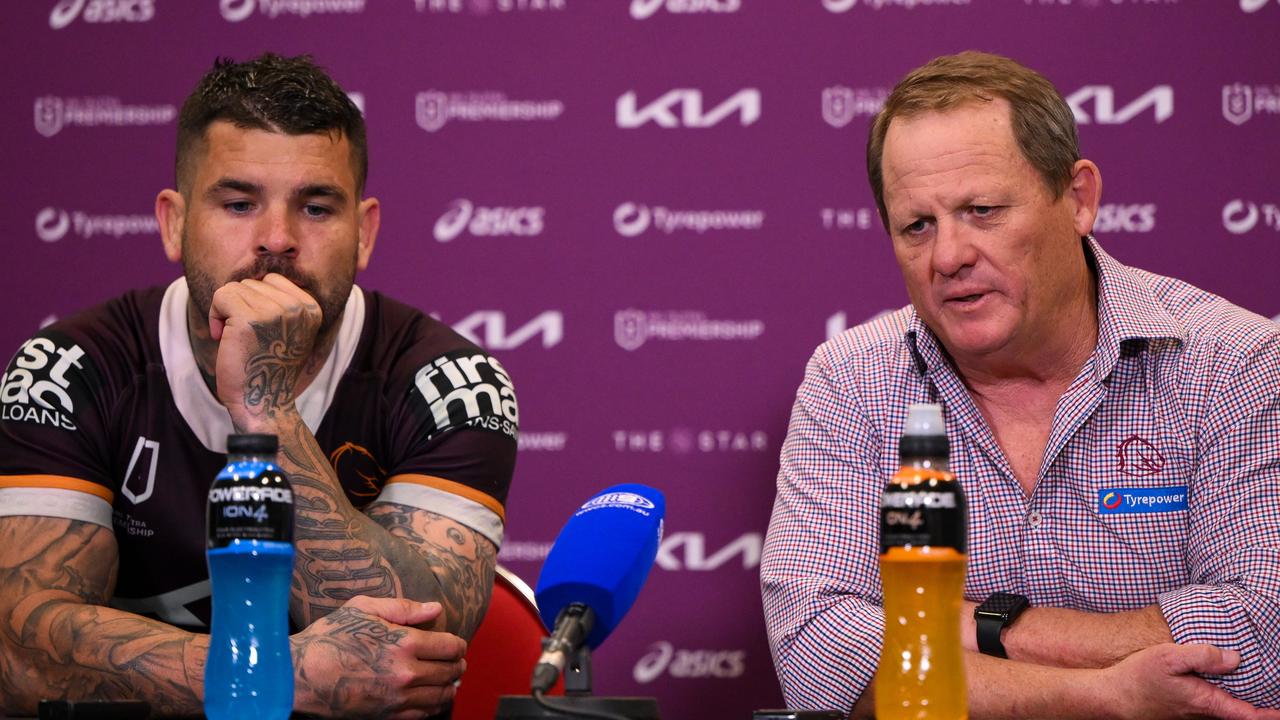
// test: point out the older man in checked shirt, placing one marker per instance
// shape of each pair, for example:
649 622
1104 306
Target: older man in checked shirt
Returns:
1076 391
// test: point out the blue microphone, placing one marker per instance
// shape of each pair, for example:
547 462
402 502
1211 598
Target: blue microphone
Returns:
594 571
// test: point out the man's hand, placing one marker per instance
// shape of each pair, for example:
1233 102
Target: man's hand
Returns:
363 660
1161 682
266 330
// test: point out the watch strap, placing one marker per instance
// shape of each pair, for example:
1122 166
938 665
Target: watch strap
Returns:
989 636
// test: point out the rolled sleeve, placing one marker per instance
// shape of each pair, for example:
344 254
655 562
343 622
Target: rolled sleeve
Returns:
819 574
1233 555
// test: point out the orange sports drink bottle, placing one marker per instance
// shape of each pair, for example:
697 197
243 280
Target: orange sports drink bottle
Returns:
923 527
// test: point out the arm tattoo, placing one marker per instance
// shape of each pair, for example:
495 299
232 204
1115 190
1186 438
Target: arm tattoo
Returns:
272 373
342 552
462 558
57 641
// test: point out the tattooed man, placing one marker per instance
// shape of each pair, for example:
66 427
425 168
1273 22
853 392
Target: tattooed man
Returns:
398 434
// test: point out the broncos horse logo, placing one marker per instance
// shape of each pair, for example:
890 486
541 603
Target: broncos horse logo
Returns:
351 461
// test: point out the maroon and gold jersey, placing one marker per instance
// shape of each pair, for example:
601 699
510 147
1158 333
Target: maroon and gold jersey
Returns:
105 418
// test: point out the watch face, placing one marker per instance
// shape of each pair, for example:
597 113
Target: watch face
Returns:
1002 604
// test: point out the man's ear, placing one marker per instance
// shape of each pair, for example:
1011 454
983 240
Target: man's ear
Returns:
369 215
171 213
1085 194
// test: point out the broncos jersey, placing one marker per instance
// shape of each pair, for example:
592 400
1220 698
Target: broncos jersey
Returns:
105 418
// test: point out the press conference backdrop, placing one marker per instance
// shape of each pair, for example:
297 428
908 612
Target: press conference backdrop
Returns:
651 210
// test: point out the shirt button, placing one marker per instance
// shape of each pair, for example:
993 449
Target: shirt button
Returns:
1034 519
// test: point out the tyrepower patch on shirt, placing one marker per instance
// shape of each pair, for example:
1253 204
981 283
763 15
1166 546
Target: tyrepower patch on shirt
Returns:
1123 501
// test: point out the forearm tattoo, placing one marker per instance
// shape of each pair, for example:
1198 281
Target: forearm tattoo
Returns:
393 551
272 372
58 641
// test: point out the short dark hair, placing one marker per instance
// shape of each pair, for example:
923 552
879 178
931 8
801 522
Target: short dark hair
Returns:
279 94
1043 124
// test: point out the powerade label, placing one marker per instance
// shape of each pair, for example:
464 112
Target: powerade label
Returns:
929 513
1126 501
250 501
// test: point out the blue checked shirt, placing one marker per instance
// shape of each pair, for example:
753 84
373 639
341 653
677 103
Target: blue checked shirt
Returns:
1182 391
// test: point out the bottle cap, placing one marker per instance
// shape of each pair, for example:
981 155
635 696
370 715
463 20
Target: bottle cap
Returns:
924 419
252 444
924 434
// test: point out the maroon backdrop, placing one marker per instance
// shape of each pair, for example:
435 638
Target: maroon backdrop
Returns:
651 210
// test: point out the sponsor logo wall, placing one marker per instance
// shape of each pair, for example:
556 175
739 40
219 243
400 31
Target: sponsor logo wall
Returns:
647 215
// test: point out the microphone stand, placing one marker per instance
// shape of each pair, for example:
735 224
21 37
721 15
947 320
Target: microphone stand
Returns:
578 700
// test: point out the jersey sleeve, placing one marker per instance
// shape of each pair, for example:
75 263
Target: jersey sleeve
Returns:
455 429
53 459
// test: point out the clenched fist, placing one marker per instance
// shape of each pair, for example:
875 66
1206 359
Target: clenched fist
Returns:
266 331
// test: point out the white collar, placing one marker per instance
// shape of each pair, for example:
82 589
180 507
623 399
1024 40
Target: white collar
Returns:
206 417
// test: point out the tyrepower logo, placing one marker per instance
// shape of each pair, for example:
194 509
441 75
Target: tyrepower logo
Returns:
688 551
1102 99
684 107
523 550
53 114
645 9
238 10
542 441
841 6
1118 218
527 221
434 108
840 104
633 328
1241 216
1241 102
489 329
485 7
664 658
53 224
631 219
683 441
37 387
101 11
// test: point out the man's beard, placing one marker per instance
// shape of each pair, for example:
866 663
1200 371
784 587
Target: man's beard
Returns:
202 286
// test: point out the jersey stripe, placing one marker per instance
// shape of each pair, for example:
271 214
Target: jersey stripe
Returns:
424 496
55 502
57 481
454 488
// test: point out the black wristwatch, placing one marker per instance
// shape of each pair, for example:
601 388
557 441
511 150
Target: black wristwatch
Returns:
996 613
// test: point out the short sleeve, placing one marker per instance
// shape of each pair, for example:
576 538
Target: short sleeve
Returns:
455 429
53 460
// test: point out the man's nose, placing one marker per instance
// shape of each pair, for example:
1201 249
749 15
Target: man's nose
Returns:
953 248
279 234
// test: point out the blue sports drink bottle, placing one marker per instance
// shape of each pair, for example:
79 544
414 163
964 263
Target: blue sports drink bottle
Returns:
249 670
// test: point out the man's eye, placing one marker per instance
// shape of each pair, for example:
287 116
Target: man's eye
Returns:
316 211
984 210
915 228
239 207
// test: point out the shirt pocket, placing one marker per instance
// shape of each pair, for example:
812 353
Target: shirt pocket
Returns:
1134 556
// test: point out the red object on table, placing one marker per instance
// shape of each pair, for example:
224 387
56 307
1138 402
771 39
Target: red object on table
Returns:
502 653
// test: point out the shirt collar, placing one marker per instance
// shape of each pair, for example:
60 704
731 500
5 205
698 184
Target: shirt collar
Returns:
1127 310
